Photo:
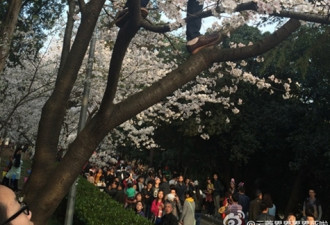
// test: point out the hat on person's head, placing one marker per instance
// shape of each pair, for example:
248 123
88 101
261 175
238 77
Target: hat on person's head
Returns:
170 197
222 209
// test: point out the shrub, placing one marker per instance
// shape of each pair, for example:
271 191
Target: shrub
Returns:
95 207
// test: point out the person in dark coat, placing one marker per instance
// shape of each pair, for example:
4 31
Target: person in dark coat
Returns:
254 208
264 217
243 199
169 218
180 189
120 195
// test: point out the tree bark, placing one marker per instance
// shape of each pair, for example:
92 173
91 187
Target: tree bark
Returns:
67 34
51 122
295 193
7 29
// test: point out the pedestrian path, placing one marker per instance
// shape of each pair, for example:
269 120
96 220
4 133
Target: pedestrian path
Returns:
210 220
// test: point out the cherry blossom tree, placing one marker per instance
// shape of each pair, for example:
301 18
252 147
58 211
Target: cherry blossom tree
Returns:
25 89
140 48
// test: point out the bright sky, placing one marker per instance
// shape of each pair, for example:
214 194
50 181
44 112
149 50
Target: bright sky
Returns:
207 23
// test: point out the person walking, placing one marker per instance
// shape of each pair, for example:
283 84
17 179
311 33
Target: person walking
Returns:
169 218
176 204
254 208
181 188
14 174
198 198
264 218
243 199
218 189
312 206
157 207
234 207
147 196
209 196
188 211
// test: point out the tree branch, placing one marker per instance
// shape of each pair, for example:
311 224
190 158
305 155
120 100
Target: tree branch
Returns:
53 114
259 48
123 40
102 123
82 6
323 19
304 16
190 69
67 34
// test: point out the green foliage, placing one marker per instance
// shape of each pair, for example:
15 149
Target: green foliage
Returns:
302 52
271 140
244 35
31 30
95 207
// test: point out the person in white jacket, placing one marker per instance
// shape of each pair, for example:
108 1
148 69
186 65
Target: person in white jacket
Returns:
14 174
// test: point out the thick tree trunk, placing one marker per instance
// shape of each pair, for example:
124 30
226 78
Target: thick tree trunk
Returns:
51 121
295 193
7 29
151 156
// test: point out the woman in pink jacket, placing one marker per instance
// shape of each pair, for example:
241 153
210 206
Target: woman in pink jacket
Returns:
157 207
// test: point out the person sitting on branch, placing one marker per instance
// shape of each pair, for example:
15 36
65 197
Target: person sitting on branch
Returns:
195 41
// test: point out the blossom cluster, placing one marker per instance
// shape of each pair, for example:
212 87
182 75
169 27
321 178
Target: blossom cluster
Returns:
27 88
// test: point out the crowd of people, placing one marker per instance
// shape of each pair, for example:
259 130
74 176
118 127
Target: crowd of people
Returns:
160 197
170 198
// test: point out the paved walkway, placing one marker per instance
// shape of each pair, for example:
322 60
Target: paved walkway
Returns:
210 220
